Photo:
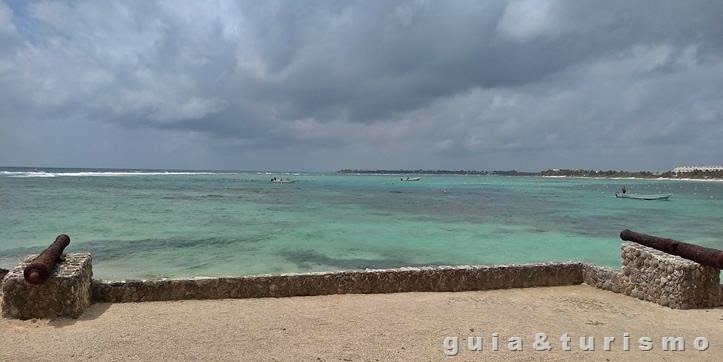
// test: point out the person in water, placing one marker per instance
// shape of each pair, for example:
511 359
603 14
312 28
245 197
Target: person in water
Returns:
625 189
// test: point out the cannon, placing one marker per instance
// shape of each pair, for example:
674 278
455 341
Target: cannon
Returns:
699 254
38 271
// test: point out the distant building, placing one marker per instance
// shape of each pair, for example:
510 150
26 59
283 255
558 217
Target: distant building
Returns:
684 169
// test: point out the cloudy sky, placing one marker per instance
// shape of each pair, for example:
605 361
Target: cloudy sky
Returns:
323 85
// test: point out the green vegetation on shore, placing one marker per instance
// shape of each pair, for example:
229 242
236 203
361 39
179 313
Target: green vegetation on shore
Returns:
438 172
636 174
557 172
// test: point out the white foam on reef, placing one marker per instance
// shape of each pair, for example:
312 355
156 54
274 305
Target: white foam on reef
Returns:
96 174
26 174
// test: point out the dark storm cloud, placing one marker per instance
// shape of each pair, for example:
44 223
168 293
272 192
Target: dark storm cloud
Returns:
329 84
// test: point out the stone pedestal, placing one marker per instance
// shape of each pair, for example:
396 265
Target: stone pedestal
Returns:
668 280
66 293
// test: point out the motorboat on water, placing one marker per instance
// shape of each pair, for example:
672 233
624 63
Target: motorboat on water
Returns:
279 180
622 195
410 179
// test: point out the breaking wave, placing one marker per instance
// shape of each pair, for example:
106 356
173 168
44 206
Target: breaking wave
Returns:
97 174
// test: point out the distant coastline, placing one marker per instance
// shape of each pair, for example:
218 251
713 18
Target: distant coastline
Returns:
611 174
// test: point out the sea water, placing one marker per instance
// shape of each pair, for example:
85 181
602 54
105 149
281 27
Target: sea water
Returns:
152 224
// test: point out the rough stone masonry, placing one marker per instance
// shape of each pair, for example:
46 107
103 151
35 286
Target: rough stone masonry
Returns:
668 280
646 274
65 294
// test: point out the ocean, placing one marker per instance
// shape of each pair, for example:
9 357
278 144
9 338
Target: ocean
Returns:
154 224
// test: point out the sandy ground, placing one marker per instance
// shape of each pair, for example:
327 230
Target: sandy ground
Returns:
405 326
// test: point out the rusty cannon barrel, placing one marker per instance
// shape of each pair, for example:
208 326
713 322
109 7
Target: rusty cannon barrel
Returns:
699 254
38 271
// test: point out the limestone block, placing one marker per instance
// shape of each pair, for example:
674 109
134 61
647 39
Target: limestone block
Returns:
425 279
668 280
66 293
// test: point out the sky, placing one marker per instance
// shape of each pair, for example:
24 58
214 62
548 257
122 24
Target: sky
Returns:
325 85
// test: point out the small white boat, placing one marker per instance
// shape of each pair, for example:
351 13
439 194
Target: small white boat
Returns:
642 197
410 179
277 180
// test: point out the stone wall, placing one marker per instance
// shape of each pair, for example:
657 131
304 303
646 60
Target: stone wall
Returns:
603 278
426 279
658 277
646 274
65 293
3 272
668 280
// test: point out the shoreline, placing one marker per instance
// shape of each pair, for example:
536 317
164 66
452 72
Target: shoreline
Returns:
20 172
527 175
638 178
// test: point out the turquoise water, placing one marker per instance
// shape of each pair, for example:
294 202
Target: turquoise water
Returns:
157 224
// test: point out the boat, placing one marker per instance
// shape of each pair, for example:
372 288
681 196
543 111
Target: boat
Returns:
278 180
410 179
643 197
